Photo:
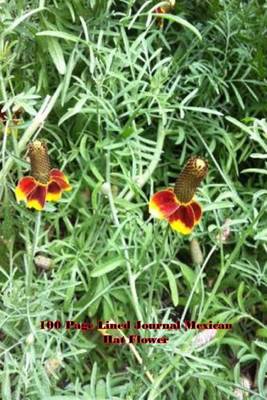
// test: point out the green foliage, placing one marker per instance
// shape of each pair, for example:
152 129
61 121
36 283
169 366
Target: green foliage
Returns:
131 102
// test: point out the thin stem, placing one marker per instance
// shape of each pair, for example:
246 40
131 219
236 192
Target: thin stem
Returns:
196 283
4 144
156 267
36 232
33 251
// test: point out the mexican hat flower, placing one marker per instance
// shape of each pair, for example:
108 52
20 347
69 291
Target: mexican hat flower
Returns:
170 4
44 184
178 205
16 117
3 117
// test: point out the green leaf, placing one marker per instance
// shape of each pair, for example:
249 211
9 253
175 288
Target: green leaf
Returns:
107 266
93 379
254 171
218 205
59 34
21 19
204 110
75 110
240 299
6 387
101 389
188 274
261 332
262 374
63 397
70 291
262 235
173 286
56 53
181 21
67 78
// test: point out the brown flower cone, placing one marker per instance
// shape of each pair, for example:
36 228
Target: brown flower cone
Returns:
189 179
40 164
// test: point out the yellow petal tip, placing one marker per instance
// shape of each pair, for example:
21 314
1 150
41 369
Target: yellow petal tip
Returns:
34 204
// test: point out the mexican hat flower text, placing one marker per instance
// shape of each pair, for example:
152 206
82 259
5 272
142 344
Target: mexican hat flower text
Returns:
178 205
44 184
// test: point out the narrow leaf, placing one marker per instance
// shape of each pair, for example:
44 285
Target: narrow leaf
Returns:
173 286
181 21
56 54
107 266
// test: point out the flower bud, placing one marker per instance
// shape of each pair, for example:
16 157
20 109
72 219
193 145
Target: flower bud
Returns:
30 339
52 364
43 262
246 384
225 231
106 188
203 338
196 253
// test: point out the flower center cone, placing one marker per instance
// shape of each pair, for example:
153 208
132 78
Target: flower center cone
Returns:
40 164
189 179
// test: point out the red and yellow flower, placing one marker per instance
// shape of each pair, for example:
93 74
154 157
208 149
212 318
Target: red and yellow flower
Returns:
16 118
178 205
44 184
3 117
170 4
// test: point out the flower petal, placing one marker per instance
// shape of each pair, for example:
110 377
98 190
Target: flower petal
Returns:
53 192
182 220
63 184
25 186
57 176
36 198
56 173
197 211
162 204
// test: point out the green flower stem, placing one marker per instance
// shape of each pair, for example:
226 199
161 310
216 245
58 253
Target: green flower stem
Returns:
131 276
4 144
30 263
196 283
156 267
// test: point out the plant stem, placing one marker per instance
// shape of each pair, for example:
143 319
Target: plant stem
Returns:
196 283
4 145
31 266
156 267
